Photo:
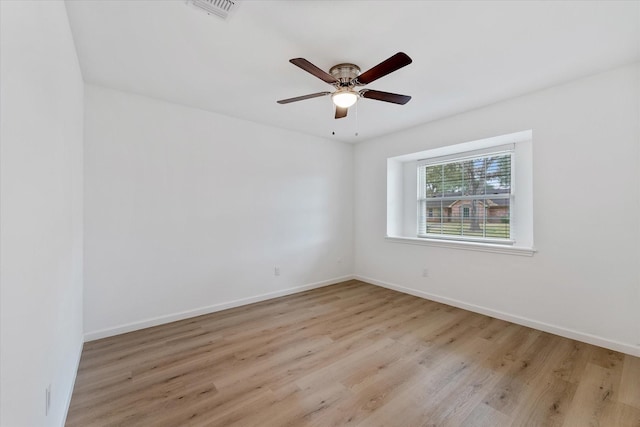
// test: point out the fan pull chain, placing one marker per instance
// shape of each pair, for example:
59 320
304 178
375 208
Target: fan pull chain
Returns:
357 127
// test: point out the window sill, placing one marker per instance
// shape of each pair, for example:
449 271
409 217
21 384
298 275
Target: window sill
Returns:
470 246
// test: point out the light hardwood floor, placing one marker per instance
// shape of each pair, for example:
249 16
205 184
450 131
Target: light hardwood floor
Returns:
351 354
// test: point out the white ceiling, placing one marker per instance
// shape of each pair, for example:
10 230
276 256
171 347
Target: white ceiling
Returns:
465 54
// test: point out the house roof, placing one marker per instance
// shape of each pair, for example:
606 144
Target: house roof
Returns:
490 202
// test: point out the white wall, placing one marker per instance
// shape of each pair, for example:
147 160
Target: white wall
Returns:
40 212
584 280
187 211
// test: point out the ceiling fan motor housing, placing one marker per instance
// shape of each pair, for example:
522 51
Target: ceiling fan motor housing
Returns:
345 73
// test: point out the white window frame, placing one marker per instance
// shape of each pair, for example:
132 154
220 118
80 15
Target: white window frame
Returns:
402 187
468 155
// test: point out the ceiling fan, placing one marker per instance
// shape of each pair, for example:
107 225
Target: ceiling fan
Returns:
346 77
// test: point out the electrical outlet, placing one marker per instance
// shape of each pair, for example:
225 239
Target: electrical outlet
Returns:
276 271
425 272
47 400
339 260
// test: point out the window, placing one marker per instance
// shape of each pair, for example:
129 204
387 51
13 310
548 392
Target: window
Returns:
475 195
472 194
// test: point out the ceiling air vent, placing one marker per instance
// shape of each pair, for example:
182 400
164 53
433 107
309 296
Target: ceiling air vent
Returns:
221 8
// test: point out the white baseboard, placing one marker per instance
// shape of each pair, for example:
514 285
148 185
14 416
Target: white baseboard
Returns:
542 326
73 383
155 321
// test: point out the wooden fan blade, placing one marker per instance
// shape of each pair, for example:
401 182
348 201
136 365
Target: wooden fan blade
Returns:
387 66
385 96
312 69
341 112
303 97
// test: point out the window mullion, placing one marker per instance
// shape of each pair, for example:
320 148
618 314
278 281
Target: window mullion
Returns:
485 208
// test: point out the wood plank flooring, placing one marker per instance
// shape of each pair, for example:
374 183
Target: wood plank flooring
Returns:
351 354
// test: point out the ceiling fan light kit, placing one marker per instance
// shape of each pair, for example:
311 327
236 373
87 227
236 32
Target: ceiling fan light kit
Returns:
346 77
344 98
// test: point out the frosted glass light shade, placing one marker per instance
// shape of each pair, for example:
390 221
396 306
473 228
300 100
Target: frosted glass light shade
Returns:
344 99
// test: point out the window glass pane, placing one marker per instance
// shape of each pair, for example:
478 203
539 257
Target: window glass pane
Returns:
473 177
434 181
434 216
498 174
452 179
474 222
498 219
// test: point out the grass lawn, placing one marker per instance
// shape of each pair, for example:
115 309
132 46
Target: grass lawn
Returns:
499 231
